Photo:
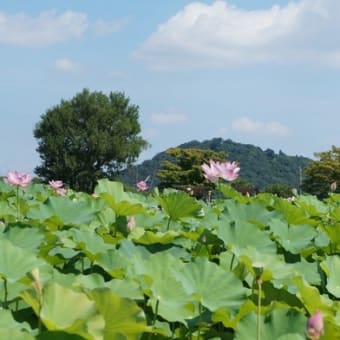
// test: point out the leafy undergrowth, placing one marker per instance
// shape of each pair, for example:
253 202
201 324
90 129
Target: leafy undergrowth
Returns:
166 266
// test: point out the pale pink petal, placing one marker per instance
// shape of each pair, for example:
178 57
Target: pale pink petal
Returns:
61 191
12 178
15 178
56 184
142 186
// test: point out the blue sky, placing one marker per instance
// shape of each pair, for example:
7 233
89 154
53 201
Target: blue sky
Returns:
260 72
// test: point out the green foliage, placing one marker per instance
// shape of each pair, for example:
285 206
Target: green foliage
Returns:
282 190
88 137
184 167
235 267
321 173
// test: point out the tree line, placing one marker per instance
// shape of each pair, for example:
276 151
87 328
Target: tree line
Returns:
94 135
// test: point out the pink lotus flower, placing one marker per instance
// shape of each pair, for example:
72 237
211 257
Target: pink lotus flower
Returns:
18 179
61 191
212 172
228 170
225 170
142 186
56 184
315 326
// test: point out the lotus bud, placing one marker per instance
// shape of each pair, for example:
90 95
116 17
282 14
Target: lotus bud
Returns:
315 326
333 186
131 224
37 284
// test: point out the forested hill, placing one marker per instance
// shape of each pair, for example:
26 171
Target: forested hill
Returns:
260 167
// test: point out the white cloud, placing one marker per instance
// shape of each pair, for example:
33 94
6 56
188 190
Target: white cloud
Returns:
49 27
108 27
168 118
251 126
221 34
66 65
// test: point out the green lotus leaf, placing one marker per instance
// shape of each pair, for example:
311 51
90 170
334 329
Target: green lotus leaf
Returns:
63 309
88 241
15 262
114 189
113 262
179 204
275 269
281 324
293 238
272 266
150 237
239 235
308 270
311 297
127 288
229 192
240 213
311 205
7 322
333 233
123 318
225 316
106 216
15 334
123 208
331 266
150 221
120 202
90 281
6 209
169 300
212 286
25 238
156 275
336 213
65 210
291 213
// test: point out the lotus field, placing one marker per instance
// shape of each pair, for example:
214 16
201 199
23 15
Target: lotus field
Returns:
151 265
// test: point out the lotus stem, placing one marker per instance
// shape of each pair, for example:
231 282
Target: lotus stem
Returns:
168 226
258 330
4 303
200 324
232 262
18 208
156 312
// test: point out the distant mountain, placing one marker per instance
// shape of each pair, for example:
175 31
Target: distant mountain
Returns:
260 167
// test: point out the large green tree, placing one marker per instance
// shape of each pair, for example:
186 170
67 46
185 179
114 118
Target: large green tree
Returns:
88 137
321 173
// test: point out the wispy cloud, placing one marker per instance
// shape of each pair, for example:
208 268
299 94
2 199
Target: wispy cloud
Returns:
222 35
251 126
108 27
168 118
66 65
49 27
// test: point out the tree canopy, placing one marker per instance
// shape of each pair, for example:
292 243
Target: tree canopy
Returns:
320 174
88 137
258 167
